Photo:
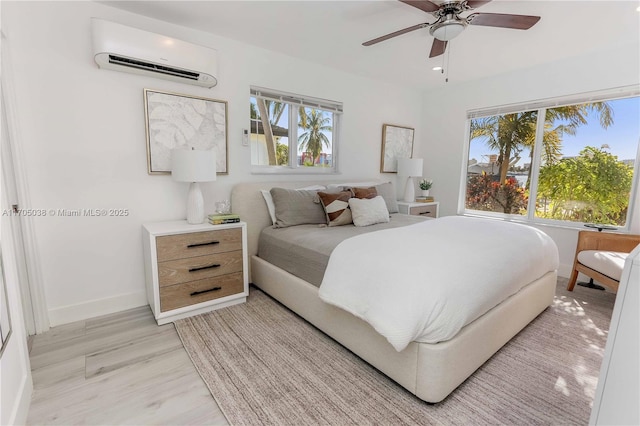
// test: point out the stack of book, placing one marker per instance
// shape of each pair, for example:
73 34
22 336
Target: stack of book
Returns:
219 219
427 199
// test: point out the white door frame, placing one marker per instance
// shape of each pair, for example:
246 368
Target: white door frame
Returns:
31 283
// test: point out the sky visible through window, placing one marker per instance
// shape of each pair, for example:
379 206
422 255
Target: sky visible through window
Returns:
622 136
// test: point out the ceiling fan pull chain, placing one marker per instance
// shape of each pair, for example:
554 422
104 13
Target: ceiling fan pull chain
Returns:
446 80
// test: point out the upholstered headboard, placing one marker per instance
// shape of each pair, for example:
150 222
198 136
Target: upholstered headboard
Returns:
248 202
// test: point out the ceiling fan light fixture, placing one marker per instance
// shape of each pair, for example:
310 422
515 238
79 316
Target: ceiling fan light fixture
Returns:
447 30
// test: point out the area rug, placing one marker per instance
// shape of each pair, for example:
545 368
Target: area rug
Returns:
265 365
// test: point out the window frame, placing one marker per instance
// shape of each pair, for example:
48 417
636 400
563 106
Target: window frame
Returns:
541 106
294 101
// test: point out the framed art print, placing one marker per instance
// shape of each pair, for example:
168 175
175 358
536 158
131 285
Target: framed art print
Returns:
183 121
397 142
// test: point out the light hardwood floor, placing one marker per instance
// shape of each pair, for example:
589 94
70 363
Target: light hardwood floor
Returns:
117 369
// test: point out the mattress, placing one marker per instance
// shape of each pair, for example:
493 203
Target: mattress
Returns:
304 250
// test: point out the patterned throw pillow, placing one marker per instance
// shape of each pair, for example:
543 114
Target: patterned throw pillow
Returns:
336 207
367 193
386 190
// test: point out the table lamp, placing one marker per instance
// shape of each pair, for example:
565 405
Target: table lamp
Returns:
193 166
409 168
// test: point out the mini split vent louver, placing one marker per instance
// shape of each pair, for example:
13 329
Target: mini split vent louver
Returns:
121 48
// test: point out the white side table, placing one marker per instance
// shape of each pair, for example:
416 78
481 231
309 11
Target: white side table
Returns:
191 269
419 209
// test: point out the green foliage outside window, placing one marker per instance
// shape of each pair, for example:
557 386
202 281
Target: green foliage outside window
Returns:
592 187
282 154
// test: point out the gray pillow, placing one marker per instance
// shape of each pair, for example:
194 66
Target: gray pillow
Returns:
388 192
297 207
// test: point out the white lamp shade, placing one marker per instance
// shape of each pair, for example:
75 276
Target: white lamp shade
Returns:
410 167
193 165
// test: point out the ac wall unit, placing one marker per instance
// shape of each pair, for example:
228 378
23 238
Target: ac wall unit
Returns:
121 48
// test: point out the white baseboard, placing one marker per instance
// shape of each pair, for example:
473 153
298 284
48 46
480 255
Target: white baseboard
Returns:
95 308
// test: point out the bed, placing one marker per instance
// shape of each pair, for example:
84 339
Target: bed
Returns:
431 371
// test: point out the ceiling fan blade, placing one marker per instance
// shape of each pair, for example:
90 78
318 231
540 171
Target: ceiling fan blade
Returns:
437 48
503 20
423 5
474 4
394 34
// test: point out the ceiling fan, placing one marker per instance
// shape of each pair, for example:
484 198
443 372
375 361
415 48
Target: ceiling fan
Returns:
450 24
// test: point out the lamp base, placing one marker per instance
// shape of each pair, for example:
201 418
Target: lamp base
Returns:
409 191
195 205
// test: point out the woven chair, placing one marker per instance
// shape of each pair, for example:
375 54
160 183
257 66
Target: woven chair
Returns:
601 255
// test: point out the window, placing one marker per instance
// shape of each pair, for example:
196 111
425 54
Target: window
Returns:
292 133
564 163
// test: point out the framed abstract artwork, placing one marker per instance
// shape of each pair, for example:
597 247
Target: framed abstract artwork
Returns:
397 142
183 121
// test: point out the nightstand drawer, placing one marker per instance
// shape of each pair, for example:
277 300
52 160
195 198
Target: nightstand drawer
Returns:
186 294
428 210
197 268
194 244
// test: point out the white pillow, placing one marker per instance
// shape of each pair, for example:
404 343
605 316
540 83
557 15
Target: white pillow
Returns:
367 212
272 207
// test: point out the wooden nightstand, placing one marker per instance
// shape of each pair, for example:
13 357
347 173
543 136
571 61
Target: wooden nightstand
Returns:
191 269
419 209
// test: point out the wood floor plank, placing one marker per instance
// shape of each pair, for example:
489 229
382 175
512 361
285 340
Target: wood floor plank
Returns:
69 370
117 369
132 352
59 352
119 319
57 337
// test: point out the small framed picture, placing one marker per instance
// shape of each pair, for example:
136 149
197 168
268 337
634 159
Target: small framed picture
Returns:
183 121
397 142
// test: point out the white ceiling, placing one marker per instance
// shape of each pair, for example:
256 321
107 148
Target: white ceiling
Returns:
331 33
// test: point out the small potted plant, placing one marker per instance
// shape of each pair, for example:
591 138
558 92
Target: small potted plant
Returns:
425 186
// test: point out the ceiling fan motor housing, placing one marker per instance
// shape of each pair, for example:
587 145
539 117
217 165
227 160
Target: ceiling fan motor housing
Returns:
447 30
449 24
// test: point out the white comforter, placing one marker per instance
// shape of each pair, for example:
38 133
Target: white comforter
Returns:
426 281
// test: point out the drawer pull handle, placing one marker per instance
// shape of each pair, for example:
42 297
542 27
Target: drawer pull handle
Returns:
195 293
210 243
424 213
200 268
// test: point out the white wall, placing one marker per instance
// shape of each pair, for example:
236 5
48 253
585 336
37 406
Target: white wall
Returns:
443 147
84 142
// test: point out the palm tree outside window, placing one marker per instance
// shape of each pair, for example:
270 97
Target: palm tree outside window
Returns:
292 133
571 163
